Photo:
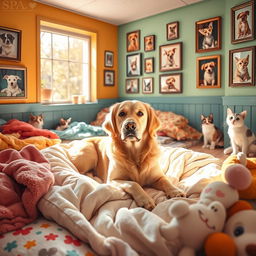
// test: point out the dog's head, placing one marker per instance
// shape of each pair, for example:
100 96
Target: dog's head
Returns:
243 16
206 31
133 64
170 80
169 54
242 63
208 67
172 29
7 39
12 80
131 121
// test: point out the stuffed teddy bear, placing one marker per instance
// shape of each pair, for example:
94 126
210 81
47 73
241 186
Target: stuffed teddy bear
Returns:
238 178
250 164
239 234
191 224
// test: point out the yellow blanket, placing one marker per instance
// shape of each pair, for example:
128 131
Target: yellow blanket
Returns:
12 141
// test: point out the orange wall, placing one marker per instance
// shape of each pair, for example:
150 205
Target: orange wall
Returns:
22 15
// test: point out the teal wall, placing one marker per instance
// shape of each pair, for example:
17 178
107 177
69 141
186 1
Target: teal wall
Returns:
187 16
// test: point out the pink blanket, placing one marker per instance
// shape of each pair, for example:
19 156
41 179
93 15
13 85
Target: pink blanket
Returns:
26 130
25 177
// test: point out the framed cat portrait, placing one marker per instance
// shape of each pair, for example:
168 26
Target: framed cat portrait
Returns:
242 23
242 67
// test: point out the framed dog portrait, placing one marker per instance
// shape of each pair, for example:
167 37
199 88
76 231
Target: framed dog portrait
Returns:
133 64
133 41
208 35
170 83
149 65
109 59
170 57
149 43
13 82
242 67
10 44
208 72
172 30
242 23
132 85
147 85
109 77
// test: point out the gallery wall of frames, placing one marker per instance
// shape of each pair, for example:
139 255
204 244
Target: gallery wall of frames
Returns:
141 73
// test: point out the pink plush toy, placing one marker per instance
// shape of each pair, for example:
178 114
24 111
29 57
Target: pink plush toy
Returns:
237 176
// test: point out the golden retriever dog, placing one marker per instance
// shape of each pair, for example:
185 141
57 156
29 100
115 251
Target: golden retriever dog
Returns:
133 43
243 25
129 156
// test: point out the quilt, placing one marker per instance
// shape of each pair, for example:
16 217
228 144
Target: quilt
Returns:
80 130
106 217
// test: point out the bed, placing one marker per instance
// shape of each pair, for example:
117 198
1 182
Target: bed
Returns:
86 217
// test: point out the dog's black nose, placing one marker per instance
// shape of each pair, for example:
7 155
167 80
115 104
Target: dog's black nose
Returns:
130 126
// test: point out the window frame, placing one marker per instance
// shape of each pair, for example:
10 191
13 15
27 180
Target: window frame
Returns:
66 32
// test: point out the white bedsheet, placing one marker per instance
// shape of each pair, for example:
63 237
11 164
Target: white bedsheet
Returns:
107 218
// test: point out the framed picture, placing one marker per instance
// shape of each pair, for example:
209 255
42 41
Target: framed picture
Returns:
170 57
149 65
13 82
132 85
147 85
170 83
242 67
149 43
172 30
10 47
133 64
242 22
109 77
133 41
208 35
109 59
208 72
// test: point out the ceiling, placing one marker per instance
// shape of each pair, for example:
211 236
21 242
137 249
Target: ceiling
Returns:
118 12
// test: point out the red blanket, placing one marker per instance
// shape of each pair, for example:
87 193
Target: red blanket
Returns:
26 130
25 177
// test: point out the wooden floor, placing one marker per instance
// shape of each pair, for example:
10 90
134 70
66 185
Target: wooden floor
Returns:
218 153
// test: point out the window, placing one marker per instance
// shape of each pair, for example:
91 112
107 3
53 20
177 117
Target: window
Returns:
65 64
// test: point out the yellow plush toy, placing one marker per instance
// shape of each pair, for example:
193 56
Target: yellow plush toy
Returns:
250 164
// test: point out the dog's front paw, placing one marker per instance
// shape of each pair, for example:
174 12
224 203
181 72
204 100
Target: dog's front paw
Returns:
176 192
145 202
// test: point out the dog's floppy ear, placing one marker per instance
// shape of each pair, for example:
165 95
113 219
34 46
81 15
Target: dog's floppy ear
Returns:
110 122
5 77
18 78
153 121
202 67
240 15
212 64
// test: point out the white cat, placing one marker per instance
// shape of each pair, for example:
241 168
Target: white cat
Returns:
241 137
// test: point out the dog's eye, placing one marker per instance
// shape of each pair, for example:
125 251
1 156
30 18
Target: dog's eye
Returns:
231 118
122 113
238 231
237 118
140 113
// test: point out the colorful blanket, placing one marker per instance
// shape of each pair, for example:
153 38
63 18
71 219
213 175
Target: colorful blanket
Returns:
106 217
80 130
24 178
26 130
13 141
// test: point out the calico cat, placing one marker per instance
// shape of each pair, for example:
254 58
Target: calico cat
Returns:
213 136
241 137
36 120
63 124
241 72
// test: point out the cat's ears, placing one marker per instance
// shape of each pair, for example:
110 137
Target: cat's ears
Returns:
229 111
202 117
242 114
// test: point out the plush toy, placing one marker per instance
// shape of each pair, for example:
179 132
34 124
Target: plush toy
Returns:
238 178
239 234
250 164
191 224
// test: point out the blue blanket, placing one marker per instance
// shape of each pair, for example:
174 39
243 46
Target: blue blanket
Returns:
80 130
